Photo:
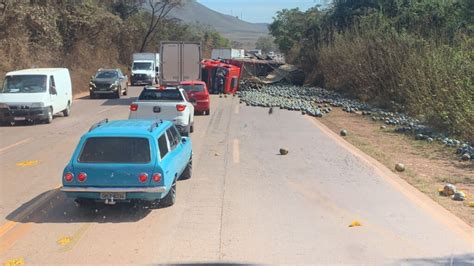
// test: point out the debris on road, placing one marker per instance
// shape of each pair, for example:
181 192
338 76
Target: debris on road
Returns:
64 240
318 102
355 224
283 151
343 132
216 154
14 262
270 111
449 190
400 167
459 196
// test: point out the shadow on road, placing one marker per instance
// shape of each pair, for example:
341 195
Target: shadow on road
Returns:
55 207
121 101
462 259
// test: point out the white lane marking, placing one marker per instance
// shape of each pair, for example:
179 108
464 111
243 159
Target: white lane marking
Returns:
236 151
237 109
15 144
107 109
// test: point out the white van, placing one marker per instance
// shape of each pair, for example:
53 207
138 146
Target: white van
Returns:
35 95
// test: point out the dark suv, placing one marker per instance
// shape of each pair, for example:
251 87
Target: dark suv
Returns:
108 82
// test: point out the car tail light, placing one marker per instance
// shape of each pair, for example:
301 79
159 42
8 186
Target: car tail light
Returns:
156 177
68 177
180 107
143 177
81 177
133 107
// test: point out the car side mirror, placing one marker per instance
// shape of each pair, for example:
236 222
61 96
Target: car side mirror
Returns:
184 140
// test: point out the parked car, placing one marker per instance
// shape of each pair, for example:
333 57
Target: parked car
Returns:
170 103
35 95
199 95
108 82
127 160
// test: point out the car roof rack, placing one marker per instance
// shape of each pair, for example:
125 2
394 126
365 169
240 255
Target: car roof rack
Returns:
154 125
98 124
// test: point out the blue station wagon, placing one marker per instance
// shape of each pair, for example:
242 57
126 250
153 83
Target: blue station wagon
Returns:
128 160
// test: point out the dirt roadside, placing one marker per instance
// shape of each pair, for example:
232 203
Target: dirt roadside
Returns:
429 166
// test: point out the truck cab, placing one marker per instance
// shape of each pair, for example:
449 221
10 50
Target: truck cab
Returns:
35 95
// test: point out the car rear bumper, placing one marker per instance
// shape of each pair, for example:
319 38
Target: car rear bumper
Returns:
201 105
115 189
9 115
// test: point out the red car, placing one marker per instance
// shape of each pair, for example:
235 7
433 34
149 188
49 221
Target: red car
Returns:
198 95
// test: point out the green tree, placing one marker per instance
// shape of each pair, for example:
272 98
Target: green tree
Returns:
266 44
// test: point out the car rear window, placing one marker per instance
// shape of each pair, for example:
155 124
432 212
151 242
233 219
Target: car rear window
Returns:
115 150
160 95
193 88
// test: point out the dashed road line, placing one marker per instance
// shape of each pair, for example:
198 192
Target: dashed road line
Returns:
236 151
15 144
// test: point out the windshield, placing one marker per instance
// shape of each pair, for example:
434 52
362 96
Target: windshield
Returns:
115 150
142 66
24 84
106 75
193 88
160 95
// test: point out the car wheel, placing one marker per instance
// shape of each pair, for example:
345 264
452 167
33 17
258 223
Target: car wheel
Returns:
187 173
118 93
126 91
67 111
50 116
170 198
92 95
208 112
191 128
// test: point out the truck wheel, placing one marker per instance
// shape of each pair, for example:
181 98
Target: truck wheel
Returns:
67 111
50 116
187 173
170 198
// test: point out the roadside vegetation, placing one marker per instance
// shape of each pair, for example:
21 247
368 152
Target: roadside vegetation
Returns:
84 35
415 57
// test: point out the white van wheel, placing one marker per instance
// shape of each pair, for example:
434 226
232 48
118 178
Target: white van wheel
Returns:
50 116
67 111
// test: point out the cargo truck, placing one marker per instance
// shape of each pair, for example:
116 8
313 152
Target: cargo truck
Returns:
227 53
145 69
180 61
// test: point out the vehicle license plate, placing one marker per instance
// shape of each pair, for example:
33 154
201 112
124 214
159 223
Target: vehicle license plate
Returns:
110 195
19 118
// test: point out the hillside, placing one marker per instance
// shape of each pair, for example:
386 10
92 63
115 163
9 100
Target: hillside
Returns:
230 27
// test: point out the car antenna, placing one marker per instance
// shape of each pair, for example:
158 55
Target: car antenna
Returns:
98 124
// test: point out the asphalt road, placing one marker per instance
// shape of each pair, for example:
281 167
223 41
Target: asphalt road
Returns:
244 203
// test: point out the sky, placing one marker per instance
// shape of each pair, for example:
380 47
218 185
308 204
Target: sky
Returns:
257 10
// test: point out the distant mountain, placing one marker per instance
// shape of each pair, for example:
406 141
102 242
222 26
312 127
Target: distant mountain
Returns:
230 27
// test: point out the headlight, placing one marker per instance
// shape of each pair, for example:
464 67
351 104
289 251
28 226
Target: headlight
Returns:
37 105
115 84
92 84
3 105
150 76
